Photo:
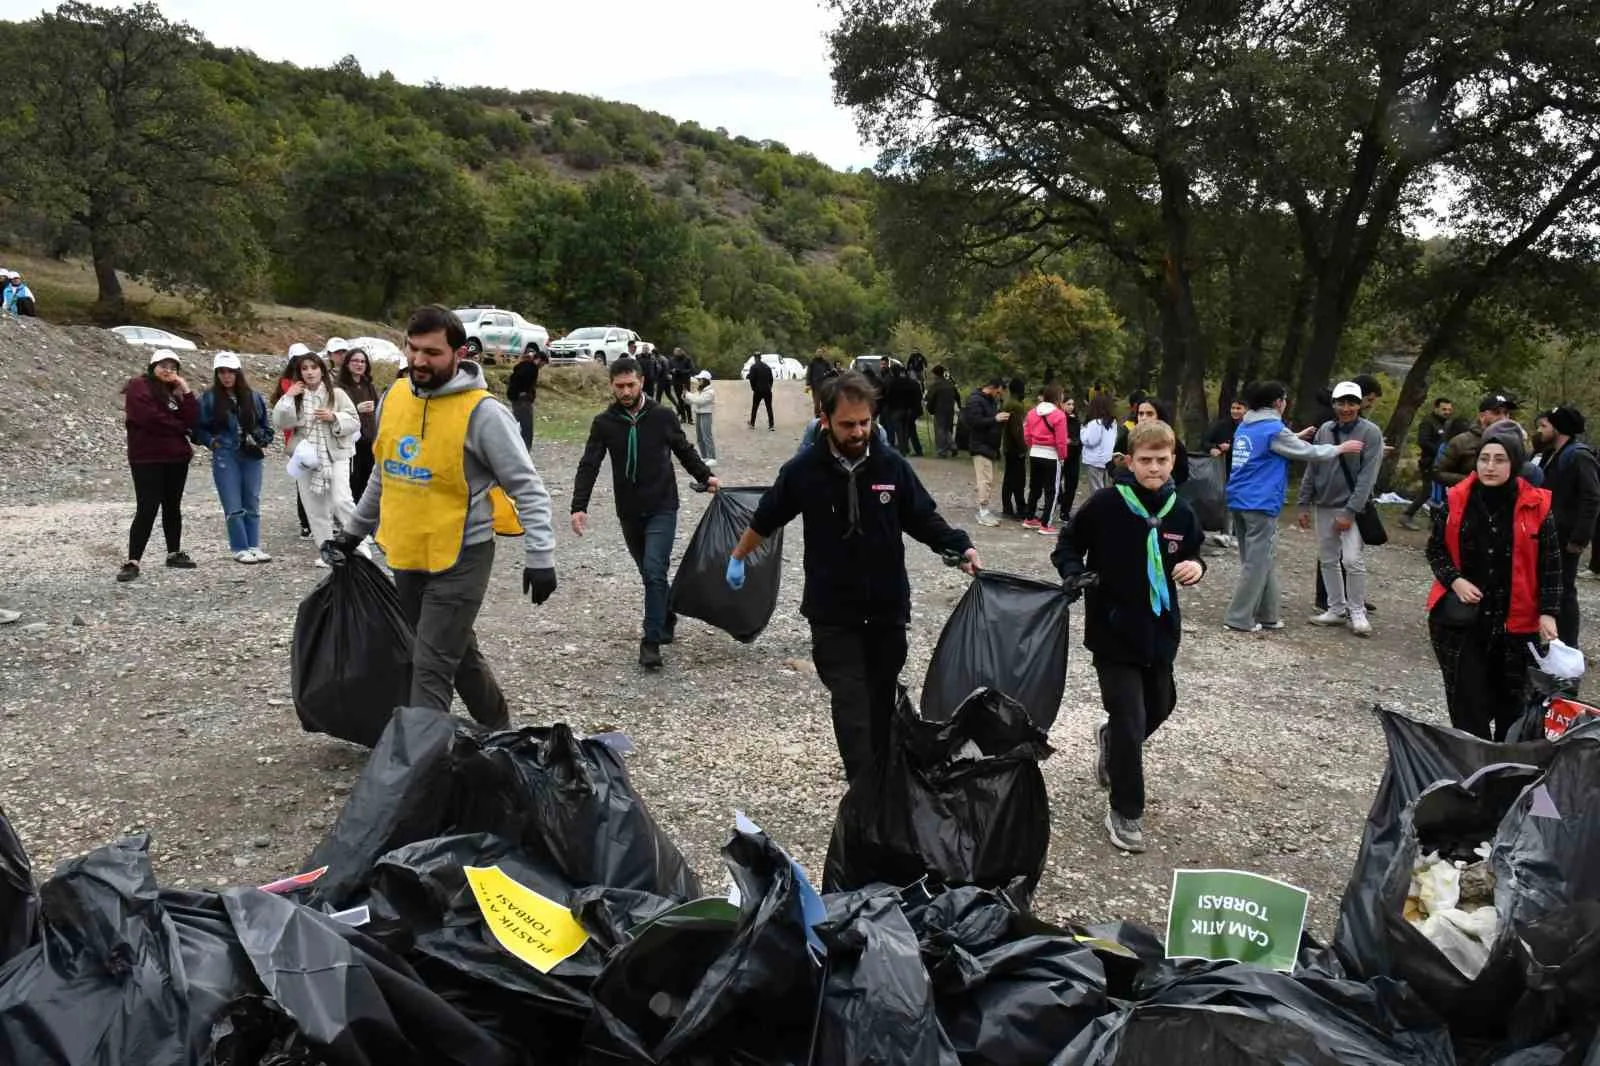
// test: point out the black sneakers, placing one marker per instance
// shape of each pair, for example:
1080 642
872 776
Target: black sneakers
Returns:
180 561
650 655
129 571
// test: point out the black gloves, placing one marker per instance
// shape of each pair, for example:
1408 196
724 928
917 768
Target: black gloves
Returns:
337 551
538 583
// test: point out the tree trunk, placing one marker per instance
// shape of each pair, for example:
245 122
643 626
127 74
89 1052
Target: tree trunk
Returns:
1171 350
1294 334
105 275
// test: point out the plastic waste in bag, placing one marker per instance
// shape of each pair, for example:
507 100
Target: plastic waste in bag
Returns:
562 800
923 811
351 660
1206 492
700 588
1009 990
1237 1015
877 998
693 987
19 900
1007 633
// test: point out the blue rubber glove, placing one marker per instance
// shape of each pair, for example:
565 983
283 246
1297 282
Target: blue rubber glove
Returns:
735 574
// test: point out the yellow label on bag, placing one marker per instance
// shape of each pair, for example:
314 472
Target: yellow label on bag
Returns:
539 931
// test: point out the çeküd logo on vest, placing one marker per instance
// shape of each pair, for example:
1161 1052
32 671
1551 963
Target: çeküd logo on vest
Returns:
407 448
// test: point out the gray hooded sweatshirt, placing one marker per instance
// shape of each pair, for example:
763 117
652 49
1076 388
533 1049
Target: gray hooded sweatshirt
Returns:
1326 485
495 455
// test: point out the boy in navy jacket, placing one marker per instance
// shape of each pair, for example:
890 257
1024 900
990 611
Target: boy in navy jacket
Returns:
1143 543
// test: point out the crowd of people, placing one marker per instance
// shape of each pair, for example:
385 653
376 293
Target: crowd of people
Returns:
434 471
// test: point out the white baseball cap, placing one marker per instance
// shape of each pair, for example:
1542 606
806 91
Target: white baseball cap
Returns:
704 375
336 344
297 349
225 361
1347 389
161 355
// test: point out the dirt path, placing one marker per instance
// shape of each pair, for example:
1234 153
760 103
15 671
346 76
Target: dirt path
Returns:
164 704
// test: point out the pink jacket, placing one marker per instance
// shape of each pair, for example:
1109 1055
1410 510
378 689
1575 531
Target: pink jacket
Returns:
1047 429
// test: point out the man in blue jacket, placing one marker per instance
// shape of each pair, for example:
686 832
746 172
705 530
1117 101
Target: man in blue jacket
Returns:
1258 483
858 500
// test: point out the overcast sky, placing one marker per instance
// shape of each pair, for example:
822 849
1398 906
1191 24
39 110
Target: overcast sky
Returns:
758 68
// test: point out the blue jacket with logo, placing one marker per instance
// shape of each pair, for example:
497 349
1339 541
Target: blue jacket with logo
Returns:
855 555
1258 477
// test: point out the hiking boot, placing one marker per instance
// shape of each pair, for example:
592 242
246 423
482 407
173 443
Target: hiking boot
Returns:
129 571
1329 618
1359 624
180 561
1031 523
1125 833
650 655
1102 755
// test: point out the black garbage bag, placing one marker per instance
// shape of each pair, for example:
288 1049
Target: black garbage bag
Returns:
423 908
1206 492
354 1001
700 589
1008 633
877 998
1235 1015
1419 755
350 663
960 802
19 899
1562 973
566 802
696 990
104 986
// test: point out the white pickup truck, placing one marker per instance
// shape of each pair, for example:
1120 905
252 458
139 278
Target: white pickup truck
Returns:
602 344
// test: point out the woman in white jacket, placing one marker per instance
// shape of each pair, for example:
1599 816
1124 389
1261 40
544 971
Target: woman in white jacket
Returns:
1099 440
323 425
703 402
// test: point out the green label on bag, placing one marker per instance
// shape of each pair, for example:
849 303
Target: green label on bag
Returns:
1232 915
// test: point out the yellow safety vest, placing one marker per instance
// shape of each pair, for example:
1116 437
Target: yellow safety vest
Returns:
421 454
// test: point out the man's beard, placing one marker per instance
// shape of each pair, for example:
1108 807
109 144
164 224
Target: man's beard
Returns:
850 449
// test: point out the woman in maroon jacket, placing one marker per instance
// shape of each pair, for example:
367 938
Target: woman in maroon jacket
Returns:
160 411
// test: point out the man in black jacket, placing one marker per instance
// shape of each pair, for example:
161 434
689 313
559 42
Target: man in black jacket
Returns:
641 437
983 421
1572 474
942 402
760 378
917 364
522 389
820 370
857 502
682 375
1143 543
1430 434
902 402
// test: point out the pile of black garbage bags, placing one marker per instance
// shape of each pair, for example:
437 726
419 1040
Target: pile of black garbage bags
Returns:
920 949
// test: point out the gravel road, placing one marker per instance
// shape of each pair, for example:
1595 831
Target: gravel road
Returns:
164 705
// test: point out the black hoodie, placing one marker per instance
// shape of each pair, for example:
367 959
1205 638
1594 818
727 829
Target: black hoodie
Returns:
1106 537
652 486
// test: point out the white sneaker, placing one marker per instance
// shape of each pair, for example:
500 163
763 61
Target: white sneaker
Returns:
320 564
244 556
1330 618
1359 624
711 464
261 556
987 519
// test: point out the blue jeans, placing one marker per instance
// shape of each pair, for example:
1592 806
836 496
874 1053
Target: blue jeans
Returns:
239 488
649 538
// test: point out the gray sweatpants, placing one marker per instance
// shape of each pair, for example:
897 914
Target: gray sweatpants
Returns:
442 608
1094 477
1255 597
705 436
1348 585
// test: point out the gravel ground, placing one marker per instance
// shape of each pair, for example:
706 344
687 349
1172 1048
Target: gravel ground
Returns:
164 705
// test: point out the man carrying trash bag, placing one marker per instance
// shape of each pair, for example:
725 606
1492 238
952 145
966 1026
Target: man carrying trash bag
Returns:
447 457
857 501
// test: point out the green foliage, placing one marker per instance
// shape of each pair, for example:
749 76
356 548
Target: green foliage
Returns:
1050 329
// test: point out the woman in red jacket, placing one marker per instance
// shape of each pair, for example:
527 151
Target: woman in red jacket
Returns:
1496 559
160 410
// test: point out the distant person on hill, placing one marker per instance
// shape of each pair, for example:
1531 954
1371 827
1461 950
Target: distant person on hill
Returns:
641 438
760 378
942 402
522 389
233 423
355 378
322 423
160 411
19 298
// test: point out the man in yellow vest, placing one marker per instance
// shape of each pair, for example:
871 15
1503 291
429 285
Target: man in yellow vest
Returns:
447 457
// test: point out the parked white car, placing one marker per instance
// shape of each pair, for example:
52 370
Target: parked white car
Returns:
783 368
493 333
602 344
154 338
